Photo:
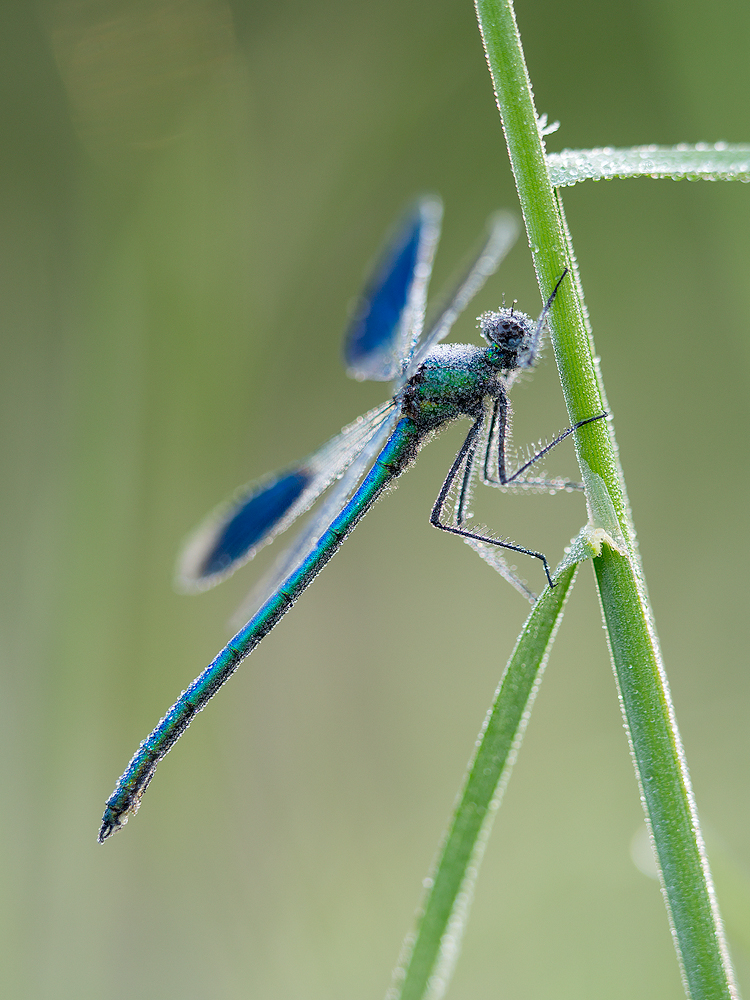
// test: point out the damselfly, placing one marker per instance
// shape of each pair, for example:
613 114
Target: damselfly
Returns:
434 384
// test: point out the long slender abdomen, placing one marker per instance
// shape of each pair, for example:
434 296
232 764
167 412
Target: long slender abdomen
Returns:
394 458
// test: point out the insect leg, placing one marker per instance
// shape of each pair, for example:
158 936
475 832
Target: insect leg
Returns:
466 454
506 480
499 419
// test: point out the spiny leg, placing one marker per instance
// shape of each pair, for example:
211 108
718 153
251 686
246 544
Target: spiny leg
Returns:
499 421
467 454
469 458
466 457
498 431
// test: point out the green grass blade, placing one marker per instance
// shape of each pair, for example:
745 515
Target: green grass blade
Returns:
658 757
428 958
665 784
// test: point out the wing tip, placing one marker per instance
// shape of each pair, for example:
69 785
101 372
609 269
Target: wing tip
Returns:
371 340
430 206
503 225
190 576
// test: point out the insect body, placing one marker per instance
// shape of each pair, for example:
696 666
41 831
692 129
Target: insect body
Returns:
435 384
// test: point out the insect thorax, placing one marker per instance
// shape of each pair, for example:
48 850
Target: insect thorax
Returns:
452 382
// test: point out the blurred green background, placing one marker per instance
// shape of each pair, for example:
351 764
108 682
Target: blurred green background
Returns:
190 192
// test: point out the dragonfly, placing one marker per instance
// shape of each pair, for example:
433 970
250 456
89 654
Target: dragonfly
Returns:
435 384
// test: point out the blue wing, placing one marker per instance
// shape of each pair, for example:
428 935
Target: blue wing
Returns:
388 318
381 340
502 234
236 530
307 539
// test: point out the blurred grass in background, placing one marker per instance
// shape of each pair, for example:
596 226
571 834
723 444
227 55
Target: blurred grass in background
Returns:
189 196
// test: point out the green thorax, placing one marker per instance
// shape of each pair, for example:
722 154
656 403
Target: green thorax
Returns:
453 381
